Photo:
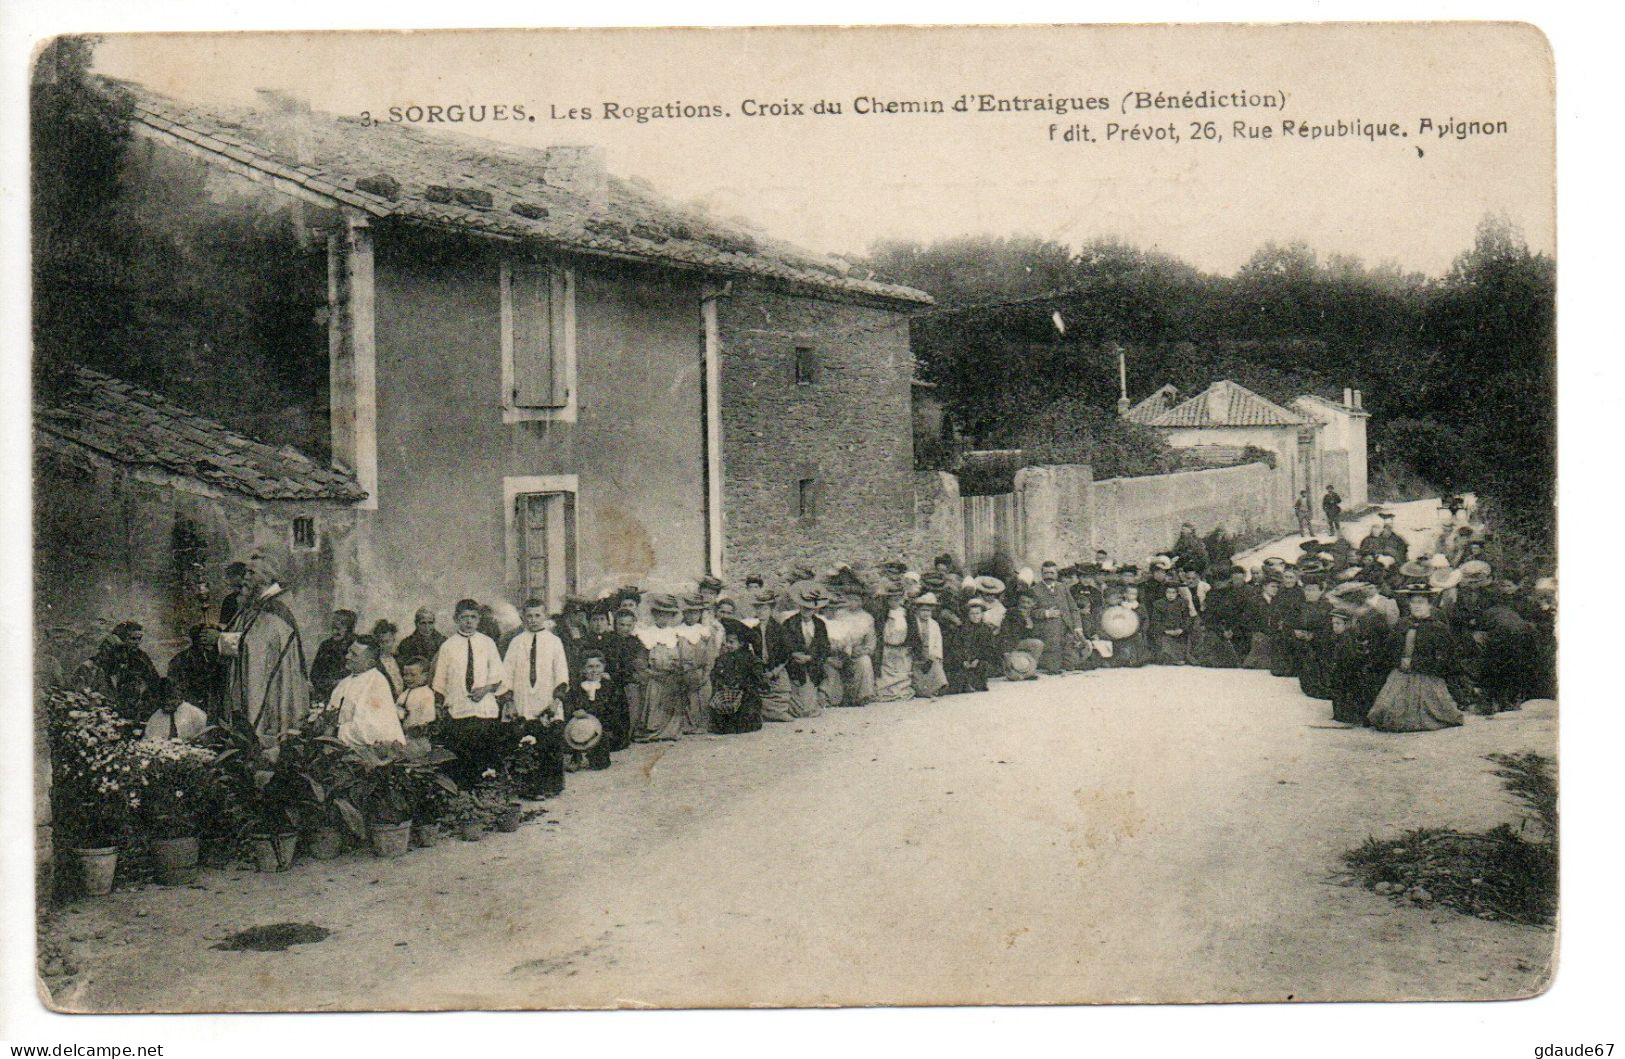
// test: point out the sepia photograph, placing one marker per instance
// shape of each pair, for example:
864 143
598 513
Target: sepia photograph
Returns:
793 517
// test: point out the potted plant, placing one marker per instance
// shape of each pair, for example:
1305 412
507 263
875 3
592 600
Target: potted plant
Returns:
175 787
93 781
464 813
269 790
497 795
387 792
330 773
432 811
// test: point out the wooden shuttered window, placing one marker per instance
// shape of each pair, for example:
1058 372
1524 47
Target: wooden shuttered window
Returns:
547 546
537 315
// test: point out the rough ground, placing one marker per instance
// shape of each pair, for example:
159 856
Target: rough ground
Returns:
1160 834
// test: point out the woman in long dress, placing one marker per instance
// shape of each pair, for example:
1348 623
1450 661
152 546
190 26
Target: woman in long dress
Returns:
736 684
698 647
929 678
1416 697
858 675
662 683
895 682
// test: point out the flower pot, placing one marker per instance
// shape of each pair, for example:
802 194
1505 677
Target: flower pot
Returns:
471 830
325 843
507 818
177 859
96 868
426 835
274 853
391 840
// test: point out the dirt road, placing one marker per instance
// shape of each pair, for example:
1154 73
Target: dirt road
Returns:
1157 834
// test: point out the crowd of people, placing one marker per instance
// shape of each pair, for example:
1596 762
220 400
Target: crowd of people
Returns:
1394 640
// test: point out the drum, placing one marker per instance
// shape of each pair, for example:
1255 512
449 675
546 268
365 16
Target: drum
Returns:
1119 622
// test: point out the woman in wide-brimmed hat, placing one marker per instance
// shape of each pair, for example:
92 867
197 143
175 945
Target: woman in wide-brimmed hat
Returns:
662 687
1416 696
929 677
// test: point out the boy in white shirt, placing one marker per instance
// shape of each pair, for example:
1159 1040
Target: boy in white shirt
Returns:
468 677
416 702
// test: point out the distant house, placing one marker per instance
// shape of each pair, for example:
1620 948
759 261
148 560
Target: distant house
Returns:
1342 444
541 379
1313 443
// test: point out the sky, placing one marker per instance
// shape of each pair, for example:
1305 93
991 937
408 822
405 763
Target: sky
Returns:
838 183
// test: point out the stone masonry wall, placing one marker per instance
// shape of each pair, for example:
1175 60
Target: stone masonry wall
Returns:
846 428
1134 518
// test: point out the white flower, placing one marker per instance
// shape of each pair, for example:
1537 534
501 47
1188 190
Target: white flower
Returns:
529 740
489 774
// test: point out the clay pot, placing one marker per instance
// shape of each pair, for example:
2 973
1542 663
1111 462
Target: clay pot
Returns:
391 840
274 852
426 835
177 859
325 843
96 869
507 820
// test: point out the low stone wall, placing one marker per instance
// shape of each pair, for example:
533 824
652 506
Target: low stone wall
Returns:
1133 518
1066 515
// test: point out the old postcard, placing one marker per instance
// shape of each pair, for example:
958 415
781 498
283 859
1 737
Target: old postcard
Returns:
794 517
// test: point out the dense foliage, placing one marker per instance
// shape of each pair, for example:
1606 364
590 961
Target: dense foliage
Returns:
144 269
1458 371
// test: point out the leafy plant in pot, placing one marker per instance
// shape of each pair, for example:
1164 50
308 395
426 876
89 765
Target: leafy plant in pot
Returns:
497 794
386 794
466 815
269 789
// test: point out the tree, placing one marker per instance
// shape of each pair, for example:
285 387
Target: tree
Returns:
78 134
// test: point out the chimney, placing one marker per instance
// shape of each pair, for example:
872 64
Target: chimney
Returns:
1357 402
1348 397
580 171
1218 401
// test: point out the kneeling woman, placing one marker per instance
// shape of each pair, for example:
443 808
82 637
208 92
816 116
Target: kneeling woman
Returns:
662 683
1415 698
737 682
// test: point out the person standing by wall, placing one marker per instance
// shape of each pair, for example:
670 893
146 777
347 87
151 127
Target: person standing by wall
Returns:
1332 504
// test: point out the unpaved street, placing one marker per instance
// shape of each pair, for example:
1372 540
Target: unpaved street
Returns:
1156 834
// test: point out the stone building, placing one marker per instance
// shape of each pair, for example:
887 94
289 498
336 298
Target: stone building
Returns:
542 379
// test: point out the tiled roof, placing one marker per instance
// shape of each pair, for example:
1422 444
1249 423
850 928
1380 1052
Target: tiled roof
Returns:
138 427
1149 409
464 182
1328 403
1226 404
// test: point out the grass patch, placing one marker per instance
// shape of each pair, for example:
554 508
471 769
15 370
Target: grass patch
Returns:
1502 873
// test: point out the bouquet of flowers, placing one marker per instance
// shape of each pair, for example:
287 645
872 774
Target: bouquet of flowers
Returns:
94 787
175 788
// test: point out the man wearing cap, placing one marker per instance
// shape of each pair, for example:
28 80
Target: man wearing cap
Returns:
1304 510
267 686
806 642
